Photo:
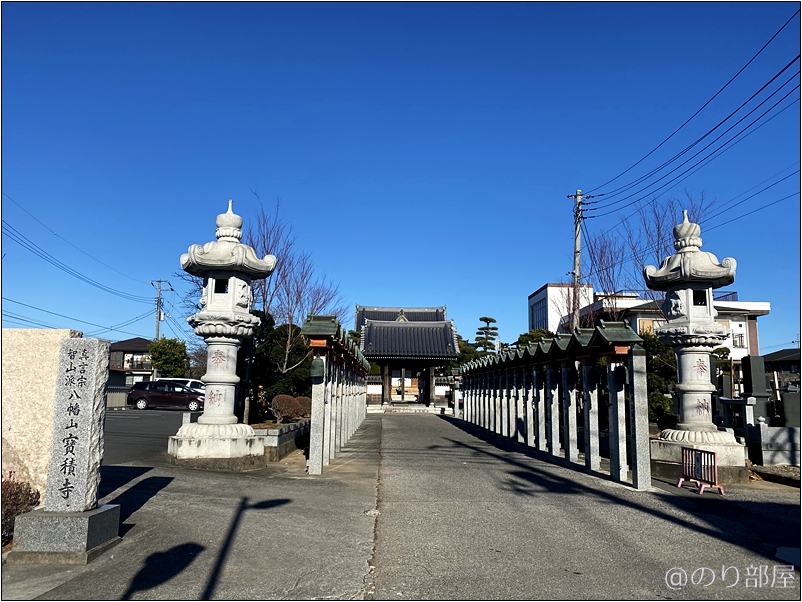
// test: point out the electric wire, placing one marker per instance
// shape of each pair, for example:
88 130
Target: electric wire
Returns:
104 328
747 198
26 243
694 165
712 158
48 228
753 211
702 107
622 189
596 269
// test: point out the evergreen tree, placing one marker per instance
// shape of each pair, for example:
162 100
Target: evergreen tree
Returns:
534 336
486 335
169 357
661 374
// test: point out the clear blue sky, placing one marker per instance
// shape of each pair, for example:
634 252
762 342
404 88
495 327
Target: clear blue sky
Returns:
423 152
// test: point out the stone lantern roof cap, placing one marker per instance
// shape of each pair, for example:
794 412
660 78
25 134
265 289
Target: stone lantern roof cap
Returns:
689 264
227 252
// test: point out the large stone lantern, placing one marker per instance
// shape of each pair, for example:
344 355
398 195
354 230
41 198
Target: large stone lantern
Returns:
688 279
228 269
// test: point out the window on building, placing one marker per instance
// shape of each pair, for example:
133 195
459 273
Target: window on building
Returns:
739 340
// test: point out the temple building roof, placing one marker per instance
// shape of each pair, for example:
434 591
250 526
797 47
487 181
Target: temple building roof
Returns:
398 314
429 340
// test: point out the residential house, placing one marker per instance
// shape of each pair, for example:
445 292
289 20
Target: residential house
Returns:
550 306
129 362
783 367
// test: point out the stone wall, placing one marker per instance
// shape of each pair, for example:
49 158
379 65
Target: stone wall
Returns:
30 366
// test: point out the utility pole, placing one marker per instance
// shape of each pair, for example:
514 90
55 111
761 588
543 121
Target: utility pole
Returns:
578 201
159 302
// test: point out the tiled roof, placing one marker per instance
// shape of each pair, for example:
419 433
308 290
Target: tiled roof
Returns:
783 355
137 344
425 340
392 314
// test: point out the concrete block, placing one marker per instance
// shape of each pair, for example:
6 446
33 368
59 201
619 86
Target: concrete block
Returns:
42 537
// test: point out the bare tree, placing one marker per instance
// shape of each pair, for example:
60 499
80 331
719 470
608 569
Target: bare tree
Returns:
271 235
605 253
650 232
617 261
300 293
293 291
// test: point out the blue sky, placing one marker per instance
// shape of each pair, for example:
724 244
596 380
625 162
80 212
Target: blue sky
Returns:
423 152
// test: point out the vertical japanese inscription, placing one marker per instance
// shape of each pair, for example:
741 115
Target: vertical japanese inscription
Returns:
77 438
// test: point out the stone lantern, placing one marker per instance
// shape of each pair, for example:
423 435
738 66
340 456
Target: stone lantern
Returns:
688 279
228 269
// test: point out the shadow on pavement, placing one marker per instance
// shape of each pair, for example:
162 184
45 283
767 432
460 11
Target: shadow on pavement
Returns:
232 531
114 477
760 527
137 496
162 566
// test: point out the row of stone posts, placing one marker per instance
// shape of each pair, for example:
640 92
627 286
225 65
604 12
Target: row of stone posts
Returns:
534 396
339 389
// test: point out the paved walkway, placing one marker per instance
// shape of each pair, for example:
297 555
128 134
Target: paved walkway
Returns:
423 506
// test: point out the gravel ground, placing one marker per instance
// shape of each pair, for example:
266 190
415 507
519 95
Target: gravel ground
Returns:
781 469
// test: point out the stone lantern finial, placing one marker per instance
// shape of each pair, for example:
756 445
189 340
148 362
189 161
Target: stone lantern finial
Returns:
686 235
229 225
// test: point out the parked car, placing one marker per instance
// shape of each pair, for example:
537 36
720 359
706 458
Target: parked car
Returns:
190 383
163 394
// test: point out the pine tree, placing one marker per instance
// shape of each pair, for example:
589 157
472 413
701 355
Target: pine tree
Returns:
486 335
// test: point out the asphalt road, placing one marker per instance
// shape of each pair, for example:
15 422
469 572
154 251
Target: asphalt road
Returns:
415 507
466 515
139 435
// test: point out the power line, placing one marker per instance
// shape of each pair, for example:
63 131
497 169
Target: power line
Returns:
68 242
24 242
656 170
715 156
751 212
596 269
695 164
749 197
105 328
755 186
702 107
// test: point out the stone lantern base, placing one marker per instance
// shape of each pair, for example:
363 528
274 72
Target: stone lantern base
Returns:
666 458
223 447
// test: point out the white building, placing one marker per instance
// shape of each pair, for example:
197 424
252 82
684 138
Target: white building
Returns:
551 305
643 314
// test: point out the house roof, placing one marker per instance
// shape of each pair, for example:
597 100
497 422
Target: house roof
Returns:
418 340
135 345
783 355
400 314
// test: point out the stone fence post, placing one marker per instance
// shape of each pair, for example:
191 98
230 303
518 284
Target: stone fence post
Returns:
339 389
533 396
